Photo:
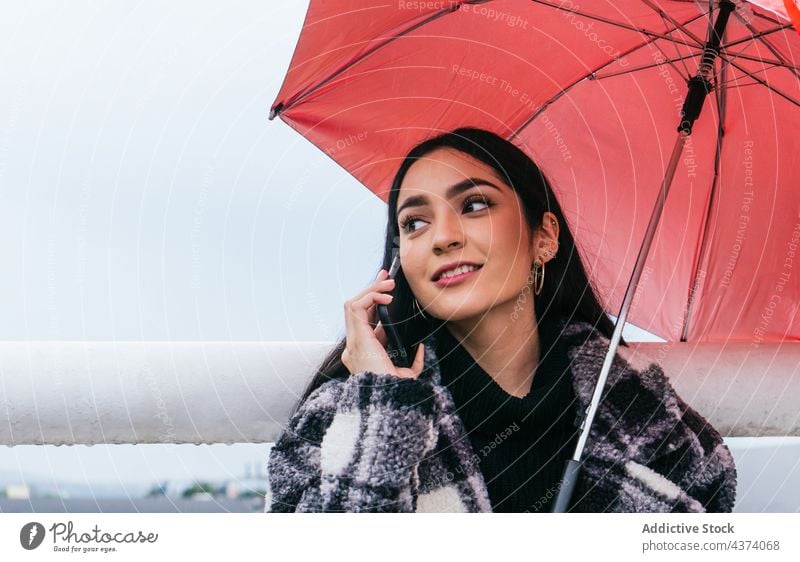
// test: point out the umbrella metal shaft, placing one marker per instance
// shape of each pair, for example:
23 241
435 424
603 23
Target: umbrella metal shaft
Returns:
572 468
699 86
655 217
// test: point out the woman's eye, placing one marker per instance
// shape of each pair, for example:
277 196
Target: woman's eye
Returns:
406 222
476 200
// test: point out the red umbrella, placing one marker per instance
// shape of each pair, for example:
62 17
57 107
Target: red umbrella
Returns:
594 95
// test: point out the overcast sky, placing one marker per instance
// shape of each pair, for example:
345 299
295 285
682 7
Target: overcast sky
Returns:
144 194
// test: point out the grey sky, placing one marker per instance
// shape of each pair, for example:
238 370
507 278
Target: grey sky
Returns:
144 193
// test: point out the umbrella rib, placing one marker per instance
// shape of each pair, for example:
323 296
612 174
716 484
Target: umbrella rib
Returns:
759 34
564 90
762 60
767 18
680 26
667 59
677 52
735 80
615 23
300 96
674 22
762 82
595 76
736 86
754 31
767 44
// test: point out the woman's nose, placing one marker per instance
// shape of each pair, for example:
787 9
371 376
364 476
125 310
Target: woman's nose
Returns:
449 232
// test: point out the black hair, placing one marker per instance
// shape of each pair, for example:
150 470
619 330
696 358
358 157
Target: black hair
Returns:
566 290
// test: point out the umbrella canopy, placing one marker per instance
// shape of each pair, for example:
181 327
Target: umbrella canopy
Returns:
593 94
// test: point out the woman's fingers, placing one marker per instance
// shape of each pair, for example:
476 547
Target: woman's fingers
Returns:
419 360
381 283
357 316
366 342
415 370
380 333
367 298
372 313
366 336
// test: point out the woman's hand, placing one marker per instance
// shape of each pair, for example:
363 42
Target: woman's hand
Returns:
365 348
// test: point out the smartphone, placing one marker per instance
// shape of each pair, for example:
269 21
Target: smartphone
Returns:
398 353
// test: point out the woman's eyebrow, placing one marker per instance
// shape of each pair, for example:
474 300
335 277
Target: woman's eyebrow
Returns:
452 191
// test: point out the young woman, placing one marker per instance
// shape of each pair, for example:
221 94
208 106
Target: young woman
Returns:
491 408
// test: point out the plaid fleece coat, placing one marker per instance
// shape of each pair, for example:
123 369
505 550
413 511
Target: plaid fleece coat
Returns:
379 443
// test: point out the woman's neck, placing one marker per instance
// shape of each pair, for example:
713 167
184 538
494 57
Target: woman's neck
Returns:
506 347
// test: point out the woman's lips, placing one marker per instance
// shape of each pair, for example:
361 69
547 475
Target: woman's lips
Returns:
447 281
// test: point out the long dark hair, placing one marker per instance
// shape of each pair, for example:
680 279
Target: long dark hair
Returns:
566 289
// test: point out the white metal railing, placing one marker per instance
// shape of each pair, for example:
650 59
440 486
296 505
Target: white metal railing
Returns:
54 392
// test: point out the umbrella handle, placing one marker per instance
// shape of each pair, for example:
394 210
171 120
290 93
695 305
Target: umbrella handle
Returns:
572 470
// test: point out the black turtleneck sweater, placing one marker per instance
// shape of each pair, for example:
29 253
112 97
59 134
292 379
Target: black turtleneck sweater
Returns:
520 444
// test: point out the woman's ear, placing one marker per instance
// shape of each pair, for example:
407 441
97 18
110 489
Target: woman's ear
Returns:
545 240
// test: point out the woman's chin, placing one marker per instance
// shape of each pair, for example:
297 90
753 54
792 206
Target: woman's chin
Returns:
456 312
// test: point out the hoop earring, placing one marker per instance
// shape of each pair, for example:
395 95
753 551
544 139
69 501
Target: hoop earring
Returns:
538 279
416 305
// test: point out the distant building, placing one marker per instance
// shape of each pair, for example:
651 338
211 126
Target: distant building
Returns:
18 492
245 488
